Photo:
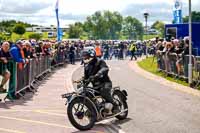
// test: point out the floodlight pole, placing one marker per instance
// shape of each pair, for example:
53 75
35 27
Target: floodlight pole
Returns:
190 44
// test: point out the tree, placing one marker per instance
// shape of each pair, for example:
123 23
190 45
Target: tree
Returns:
114 24
160 26
133 28
35 36
99 25
88 27
195 17
75 30
2 38
95 25
107 25
19 29
104 25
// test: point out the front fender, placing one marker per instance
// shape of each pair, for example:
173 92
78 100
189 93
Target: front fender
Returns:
86 98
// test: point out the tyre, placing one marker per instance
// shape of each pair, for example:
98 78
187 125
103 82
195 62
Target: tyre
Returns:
81 110
117 95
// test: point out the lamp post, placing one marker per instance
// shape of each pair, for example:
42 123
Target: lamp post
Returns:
190 44
146 15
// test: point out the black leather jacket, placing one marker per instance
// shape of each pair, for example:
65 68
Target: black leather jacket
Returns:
99 69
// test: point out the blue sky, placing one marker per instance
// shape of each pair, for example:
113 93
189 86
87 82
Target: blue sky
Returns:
42 11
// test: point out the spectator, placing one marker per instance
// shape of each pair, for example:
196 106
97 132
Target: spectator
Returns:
72 54
121 50
28 53
38 48
47 48
184 52
106 52
132 50
168 50
98 50
178 47
17 52
4 56
159 53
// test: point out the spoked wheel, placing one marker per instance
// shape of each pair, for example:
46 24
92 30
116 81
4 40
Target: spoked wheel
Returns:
81 114
118 96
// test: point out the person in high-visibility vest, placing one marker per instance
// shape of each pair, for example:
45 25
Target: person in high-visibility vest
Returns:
132 49
98 51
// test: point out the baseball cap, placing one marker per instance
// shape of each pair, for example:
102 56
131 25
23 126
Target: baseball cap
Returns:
19 42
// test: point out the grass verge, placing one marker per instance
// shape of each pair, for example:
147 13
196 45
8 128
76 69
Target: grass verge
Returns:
150 65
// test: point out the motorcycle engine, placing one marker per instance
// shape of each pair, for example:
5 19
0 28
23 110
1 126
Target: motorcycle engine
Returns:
108 108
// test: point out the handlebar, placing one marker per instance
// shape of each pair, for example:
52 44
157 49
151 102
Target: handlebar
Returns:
83 80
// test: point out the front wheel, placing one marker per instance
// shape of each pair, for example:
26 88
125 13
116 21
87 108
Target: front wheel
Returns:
81 114
120 98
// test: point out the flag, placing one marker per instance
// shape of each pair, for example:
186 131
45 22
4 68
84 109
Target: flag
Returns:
59 30
177 11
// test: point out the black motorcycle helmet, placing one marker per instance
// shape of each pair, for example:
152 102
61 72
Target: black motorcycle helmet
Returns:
88 55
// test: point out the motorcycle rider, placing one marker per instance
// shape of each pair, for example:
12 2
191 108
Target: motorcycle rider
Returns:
97 70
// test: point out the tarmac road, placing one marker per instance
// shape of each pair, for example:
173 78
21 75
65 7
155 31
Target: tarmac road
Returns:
153 107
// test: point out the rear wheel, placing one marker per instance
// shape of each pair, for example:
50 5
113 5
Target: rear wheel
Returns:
81 114
119 97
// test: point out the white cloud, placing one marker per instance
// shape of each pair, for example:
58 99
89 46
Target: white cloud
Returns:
43 11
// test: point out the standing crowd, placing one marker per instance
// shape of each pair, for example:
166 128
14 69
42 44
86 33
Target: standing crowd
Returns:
24 50
171 55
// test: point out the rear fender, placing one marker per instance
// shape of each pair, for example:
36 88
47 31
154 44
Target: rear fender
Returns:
122 92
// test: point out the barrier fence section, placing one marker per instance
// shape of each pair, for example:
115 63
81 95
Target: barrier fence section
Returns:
197 69
60 56
171 63
24 75
30 71
77 55
11 67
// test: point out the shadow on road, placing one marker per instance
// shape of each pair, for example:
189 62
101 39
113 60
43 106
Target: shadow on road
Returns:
109 127
118 122
28 95
21 102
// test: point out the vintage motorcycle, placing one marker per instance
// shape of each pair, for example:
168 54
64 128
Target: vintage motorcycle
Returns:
85 107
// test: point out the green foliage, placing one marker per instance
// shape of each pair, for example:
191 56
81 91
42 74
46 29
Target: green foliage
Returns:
111 25
2 37
148 37
7 26
97 26
19 29
133 28
160 26
195 17
12 23
35 36
75 30
150 65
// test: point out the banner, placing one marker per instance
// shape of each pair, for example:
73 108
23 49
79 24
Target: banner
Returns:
177 12
59 30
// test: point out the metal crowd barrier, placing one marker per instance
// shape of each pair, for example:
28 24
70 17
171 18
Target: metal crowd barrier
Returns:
61 57
196 75
24 77
77 55
172 58
30 72
168 63
11 67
